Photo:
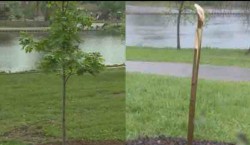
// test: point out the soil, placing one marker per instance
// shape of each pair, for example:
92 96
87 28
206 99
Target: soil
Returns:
34 135
162 140
82 142
30 134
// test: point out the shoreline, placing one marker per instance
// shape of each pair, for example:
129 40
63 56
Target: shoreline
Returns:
114 66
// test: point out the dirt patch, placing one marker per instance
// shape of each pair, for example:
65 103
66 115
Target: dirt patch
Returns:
31 134
83 142
162 140
119 93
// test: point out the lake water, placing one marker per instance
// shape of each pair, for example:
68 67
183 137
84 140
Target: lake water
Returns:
154 30
14 59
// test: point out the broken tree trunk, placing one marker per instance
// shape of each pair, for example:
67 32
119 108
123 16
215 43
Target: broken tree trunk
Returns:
196 61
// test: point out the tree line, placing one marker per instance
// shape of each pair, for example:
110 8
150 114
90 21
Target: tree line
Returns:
22 10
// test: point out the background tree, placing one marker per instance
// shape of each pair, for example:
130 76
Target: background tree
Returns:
4 11
37 7
185 6
47 11
178 24
246 8
245 5
111 8
123 27
15 9
61 52
29 10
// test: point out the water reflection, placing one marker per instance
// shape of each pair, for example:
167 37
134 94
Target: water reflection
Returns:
13 59
229 31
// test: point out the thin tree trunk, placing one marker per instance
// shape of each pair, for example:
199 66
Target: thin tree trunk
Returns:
63 108
37 8
46 13
178 25
194 84
192 100
64 81
63 97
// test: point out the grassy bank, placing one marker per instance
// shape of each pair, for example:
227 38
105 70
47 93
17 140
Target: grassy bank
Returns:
158 105
31 102
223 57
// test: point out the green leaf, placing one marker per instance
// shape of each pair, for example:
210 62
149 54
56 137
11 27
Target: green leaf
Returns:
60 48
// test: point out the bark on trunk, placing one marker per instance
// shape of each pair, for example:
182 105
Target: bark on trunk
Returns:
63 108
192 100
37 8
196 62
178 25
46 12
63 93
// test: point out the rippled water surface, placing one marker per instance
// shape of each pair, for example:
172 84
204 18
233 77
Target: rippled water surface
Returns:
13 59
154 30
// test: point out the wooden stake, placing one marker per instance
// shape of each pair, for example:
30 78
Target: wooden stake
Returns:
196 62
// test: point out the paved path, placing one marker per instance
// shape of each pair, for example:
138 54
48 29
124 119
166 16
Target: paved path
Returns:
185 70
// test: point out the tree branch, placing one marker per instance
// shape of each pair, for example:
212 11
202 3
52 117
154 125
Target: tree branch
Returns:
62 6
66 7
68 76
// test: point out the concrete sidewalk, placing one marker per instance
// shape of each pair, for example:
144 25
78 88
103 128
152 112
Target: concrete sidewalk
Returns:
225 73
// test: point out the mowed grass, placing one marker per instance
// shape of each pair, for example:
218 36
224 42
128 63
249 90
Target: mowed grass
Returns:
223 57
31 103
159 105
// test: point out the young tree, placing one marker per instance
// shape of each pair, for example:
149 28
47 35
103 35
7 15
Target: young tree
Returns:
61 52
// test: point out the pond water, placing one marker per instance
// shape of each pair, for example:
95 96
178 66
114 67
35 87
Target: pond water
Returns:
14 59
155 30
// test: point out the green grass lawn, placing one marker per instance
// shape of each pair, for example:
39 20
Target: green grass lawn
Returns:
158 105
31 102
224 57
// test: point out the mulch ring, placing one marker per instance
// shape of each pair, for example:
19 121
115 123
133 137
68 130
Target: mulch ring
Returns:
84 142
162 140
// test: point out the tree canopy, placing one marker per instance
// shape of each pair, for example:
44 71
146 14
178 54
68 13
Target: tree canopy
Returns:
61 47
